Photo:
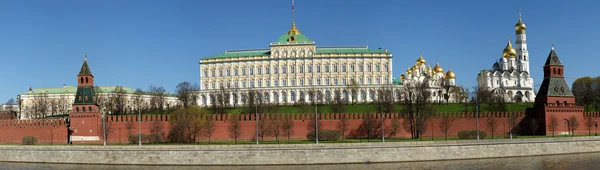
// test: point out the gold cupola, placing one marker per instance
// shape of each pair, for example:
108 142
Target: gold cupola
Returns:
293 30
509 51
402 77
408 71
520 26
421 60
438 68
450 74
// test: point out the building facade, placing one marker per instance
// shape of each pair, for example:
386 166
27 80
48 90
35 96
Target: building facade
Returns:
510 76
41 102
294 65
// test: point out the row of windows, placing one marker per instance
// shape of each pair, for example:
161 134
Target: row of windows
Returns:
294 82
293 69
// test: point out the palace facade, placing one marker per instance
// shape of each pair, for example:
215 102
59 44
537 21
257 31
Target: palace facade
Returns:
294 65
510 76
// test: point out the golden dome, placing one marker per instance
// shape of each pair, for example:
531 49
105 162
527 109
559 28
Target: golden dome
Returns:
421 60
414 68
520 26
437 68
409 71
402 77
293 30
450 74
509 51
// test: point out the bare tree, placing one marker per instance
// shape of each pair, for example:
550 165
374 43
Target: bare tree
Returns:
235 128
311 125
209 126
101 99
353 88
553 124
534 126
157 102
446 124
223 95
369 127
138 98
417 108
513 120
10 109
338 102
394 127
129 126
385 100
156 131
263 126
186 124
589 122
276 126
492 123
40 105
118 101
574 124
187 93
288 126
108 126
343 125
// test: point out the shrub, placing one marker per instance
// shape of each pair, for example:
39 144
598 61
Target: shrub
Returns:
325 135
146 138
471 134
29 140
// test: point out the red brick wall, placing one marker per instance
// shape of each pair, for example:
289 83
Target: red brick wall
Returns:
50 131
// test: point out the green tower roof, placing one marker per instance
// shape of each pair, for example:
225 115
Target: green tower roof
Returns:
85 70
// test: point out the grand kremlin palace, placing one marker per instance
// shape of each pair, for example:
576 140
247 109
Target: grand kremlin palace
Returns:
293 66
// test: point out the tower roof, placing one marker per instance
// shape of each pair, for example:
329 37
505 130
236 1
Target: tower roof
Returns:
553 58
554 85
293 36
85 69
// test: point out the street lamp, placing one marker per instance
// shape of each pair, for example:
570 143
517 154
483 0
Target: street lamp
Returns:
256 118
566 127
316 125
476 114
139 126
104 126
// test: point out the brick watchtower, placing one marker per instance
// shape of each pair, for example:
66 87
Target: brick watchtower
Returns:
554 97
85 116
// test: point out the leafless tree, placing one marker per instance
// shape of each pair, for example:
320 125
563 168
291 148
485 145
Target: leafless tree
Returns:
235 128
446 124
118 101
574 123
589 122
311 124
353 88
513 120
186 124
156 131
138 99
343 125
209 126
553 124
338 103
10 109
394 127
235 96
385 100
157 102
263 126
534 126
288 126
109 130
187 93
253 102
101 99
40 105
276 126
417 108
368 127
129 126
54 104
222 95
492 123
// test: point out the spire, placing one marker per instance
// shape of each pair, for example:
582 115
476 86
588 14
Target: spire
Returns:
85 70
520 17
30 87
553 58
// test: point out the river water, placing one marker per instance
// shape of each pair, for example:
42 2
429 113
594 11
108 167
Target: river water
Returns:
554 162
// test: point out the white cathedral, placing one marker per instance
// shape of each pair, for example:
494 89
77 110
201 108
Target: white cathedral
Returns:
436 80
510 75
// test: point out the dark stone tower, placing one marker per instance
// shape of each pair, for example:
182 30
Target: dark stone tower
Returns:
85 116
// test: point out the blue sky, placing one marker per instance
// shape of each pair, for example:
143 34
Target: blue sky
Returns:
137 43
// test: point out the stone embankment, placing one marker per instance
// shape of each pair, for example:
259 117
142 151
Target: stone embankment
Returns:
298 153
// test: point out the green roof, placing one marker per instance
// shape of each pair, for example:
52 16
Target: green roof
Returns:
320 50
553 59
554 85
73 89
85 70
85 95
300 38
396 81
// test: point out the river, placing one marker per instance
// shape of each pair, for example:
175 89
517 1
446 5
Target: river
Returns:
553 162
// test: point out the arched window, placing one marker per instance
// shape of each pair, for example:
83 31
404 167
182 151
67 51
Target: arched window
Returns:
90 108
77 109
82 80
86 80
83 109
557 103
554 70
565 103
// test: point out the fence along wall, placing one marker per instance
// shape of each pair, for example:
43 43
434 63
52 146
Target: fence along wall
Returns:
47 131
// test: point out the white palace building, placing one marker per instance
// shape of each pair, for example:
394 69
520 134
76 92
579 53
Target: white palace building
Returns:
294 65
510 75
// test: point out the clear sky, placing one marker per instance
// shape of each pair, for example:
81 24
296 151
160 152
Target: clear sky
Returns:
138 43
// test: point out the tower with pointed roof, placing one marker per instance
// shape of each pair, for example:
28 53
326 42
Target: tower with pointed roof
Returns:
85 115
554 97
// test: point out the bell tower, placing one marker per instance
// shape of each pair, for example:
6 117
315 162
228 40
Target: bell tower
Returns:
85 116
